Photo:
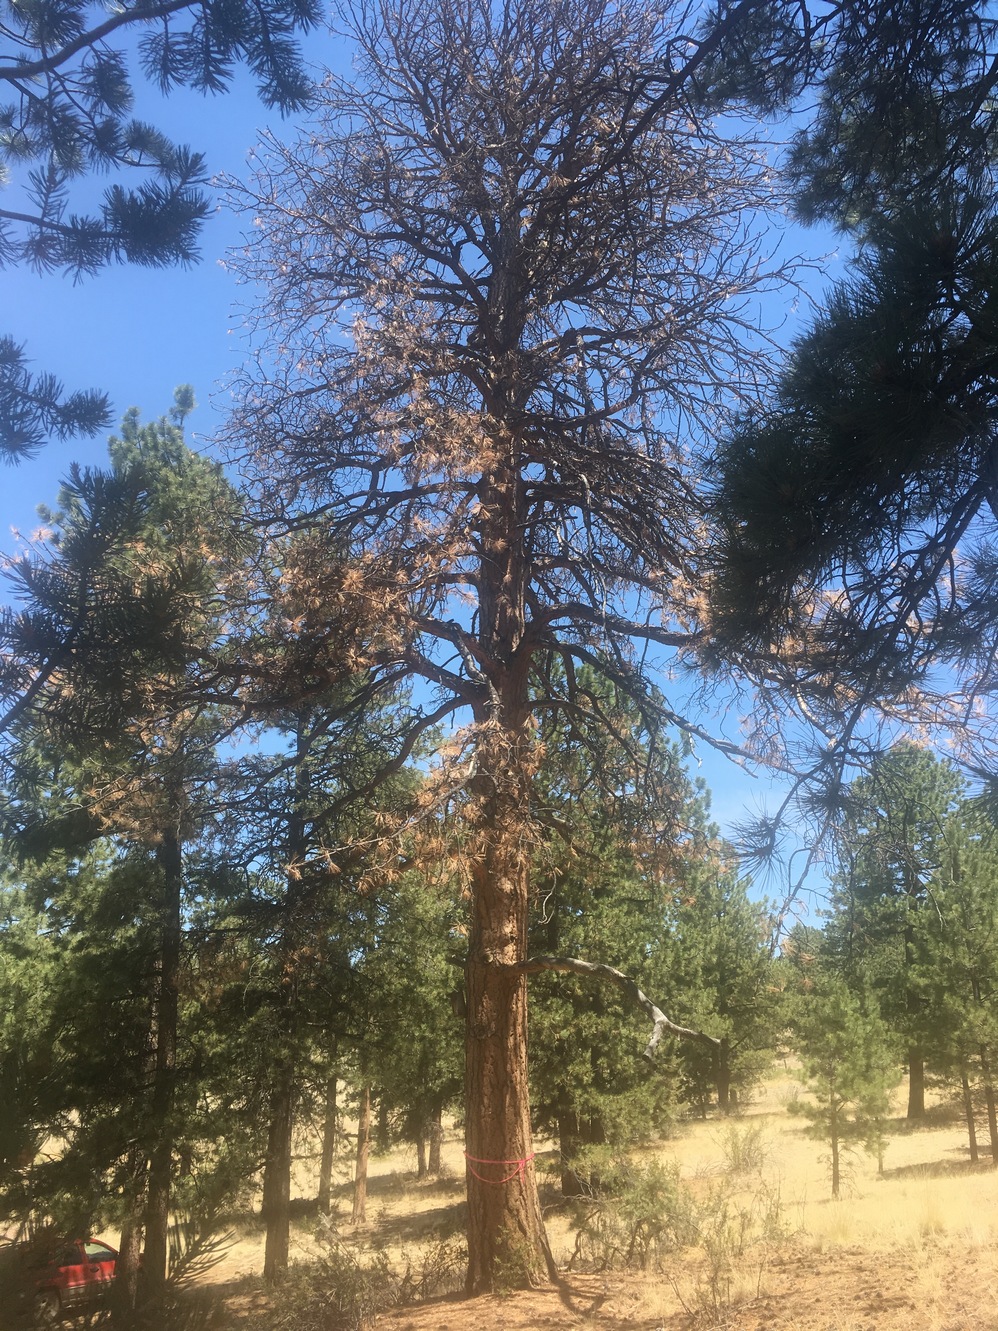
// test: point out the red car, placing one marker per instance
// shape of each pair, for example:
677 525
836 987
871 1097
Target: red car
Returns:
57 1278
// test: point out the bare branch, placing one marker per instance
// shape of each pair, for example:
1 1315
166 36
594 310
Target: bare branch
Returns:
661 1023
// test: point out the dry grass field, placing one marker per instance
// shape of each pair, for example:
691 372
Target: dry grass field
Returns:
913 1250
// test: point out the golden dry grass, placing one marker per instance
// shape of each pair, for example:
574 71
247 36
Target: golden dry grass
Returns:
929 1187
914 1250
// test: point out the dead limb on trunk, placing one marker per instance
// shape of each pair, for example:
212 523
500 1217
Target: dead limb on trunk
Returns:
661 1023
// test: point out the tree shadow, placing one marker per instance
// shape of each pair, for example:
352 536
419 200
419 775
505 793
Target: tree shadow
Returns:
381 1188
402 1184
445 1221
940 1169
583 1296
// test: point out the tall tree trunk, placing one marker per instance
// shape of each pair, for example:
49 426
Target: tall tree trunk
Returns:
276 1206
916 1062
420 1153
157 1220
569 1146
505 1230
968 1110
383 1136
916 1084
836 1163
328 1146
277 1168
574 1135
722 1075
436 1138
359 1215
989 1100
125 1290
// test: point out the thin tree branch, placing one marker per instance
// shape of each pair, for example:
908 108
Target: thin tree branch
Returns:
30 69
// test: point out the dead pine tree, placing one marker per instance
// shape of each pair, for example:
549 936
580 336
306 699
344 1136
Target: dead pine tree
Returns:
510 276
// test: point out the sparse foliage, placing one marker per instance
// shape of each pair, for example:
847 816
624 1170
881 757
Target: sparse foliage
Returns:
33 408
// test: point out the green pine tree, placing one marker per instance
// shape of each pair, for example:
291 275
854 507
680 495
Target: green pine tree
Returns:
65 68
727 978
956 965
891 847
850 497
849 1067
115 714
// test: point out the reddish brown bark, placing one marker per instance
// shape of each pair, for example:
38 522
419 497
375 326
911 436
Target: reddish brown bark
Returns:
506 1239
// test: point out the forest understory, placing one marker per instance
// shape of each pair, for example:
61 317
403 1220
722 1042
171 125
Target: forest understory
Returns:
765 1245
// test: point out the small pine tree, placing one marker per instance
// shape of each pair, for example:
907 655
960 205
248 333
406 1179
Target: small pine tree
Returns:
602 889
849 1067
957 964
726 976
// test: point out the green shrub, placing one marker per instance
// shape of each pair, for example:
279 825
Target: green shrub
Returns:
636 1213
343 1291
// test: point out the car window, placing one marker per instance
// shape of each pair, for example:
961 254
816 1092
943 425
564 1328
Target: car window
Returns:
99 1252
69 1255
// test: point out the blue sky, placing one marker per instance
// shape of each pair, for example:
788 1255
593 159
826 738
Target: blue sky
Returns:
138 333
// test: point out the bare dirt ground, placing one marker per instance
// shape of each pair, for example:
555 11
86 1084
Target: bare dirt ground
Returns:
913 1249
848 1289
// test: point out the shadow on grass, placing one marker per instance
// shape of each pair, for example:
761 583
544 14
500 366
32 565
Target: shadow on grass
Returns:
940 1169
382 1189
446 1221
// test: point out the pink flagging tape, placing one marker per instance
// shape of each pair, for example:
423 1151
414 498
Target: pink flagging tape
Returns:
476 1160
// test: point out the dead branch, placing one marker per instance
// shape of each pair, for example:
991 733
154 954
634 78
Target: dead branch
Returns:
575 966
